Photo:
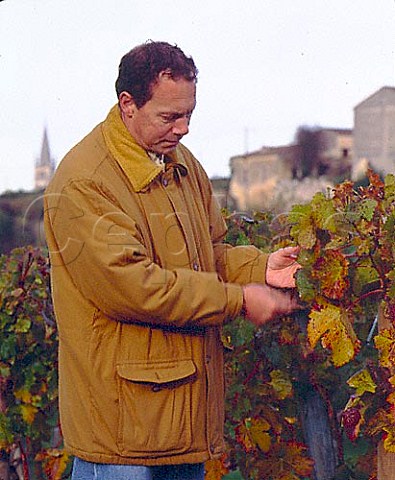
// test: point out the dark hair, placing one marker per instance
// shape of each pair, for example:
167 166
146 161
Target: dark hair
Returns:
140 68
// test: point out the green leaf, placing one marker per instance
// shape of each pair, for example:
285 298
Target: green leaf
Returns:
325 214
22 325
367 208
306 288
302 229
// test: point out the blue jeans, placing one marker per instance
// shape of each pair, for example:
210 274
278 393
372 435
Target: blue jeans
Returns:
99 471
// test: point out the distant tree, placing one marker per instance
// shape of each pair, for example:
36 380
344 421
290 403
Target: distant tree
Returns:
20 220
308 139
6 228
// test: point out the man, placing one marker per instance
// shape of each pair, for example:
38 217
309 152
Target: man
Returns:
142 283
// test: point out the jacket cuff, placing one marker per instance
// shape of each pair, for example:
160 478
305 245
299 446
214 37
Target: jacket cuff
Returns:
258 270
234 293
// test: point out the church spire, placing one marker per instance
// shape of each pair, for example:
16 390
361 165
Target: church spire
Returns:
45 165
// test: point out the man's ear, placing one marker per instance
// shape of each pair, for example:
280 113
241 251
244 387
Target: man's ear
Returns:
126 104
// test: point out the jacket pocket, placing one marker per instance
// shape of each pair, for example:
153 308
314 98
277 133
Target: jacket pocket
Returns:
155 407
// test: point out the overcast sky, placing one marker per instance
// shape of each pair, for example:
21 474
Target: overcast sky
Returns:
265 68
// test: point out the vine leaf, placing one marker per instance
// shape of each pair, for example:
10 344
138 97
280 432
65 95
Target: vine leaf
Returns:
332 325
389 441
301 464
258 430
215 469
332 271
385 343
287 461
343 193
28 412
281 384
362 381
367 208
244 438
54 461
303 230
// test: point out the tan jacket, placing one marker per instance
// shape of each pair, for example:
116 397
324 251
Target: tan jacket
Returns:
141 285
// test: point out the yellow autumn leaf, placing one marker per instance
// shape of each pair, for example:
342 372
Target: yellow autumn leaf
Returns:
362 382
389 441
243 436
258 430
385 343
391 398
28 413
321 321
332 326
23 395
281 384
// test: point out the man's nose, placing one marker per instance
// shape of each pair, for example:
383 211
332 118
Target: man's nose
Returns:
181 126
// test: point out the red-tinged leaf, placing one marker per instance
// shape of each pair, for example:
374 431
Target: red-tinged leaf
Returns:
391 399
286 460
297 459
54 462
332 325
332 273
216 469
376 187
344 193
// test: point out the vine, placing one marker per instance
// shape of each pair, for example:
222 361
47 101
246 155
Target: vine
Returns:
321 359
30 439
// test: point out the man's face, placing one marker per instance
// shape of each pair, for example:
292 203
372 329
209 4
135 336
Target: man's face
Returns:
159 125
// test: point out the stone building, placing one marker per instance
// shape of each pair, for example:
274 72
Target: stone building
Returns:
374 133
274 178
44 166
254 176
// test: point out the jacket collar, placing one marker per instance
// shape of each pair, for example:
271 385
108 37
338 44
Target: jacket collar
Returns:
133 159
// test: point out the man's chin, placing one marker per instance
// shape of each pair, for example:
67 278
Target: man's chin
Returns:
169 147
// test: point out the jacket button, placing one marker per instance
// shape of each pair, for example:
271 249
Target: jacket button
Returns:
195 266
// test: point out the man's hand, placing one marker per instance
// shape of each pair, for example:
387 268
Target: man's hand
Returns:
281 267
263 303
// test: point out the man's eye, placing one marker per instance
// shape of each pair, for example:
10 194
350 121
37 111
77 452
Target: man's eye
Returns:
173 118
168 118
